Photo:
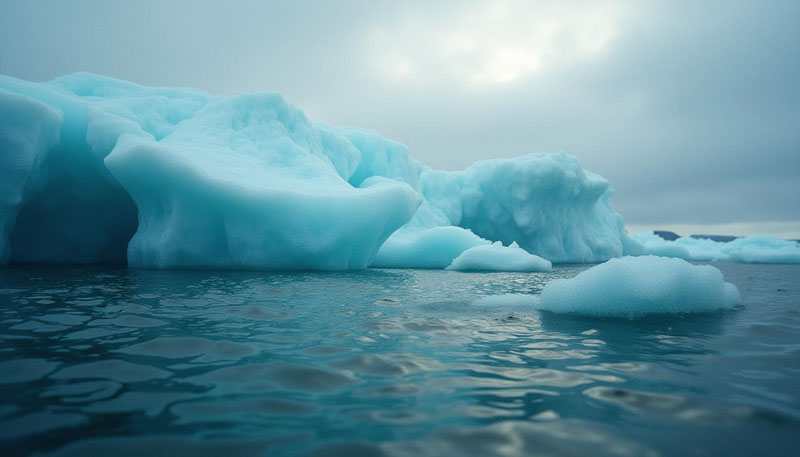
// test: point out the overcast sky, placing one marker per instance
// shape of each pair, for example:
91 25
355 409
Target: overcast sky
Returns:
690 109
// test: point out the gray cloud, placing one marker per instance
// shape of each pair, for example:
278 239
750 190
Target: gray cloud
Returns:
692 111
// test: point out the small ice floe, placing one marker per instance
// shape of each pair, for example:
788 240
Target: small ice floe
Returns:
632 287
496 257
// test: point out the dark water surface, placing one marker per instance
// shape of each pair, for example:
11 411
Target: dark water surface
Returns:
117 362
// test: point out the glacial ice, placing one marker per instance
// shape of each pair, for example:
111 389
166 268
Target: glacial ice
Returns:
97 170
496 257
28 128
632 287
546 203
433 248
175 178
751 249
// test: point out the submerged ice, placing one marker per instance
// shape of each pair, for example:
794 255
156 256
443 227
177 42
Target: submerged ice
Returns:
97 170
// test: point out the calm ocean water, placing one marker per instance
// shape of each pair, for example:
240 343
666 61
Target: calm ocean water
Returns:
118 362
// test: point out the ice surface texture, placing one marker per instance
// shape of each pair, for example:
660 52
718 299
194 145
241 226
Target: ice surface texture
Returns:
97 170
751 249
28 129
104 170
433 248
632 287
496 257
546 203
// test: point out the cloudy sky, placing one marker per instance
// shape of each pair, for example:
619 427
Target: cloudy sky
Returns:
690 109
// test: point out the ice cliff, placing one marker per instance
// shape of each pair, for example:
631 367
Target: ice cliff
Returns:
97 170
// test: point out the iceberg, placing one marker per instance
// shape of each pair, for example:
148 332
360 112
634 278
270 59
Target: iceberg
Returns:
496 257
546 203
751 249
632 287
98 170
174 178
28 129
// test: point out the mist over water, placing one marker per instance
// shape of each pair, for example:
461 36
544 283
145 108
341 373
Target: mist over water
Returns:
98 360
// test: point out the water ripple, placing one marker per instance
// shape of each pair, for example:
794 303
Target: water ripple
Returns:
99 361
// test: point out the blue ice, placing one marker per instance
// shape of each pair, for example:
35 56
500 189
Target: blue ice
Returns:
496 257
632 287
98 170
751 249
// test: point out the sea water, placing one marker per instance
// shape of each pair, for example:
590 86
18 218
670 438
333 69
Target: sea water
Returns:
113 361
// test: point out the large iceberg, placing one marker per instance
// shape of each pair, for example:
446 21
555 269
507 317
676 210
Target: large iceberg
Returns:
97 170
751 249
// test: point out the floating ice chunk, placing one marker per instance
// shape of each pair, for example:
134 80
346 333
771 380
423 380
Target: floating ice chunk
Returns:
752 249
702 249
632 287
655 245
432 248
763 249
496 257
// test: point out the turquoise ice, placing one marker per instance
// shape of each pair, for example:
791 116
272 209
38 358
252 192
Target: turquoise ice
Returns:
98 170
633 287
496 257
750 249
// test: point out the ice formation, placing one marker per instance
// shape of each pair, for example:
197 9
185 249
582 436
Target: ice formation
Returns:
632 287
28 129
97 170
176 178
434 248
752 249
496 257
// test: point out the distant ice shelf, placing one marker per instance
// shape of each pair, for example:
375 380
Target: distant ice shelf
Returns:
751 249
98 170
